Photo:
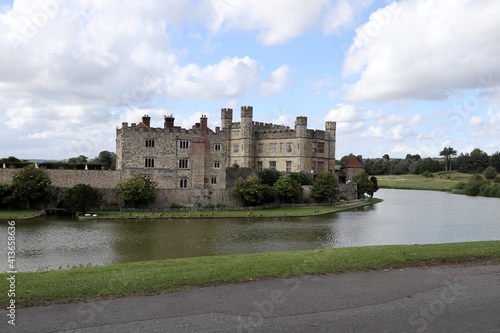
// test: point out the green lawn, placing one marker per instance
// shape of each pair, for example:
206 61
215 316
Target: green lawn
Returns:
442 181
18 214
165 276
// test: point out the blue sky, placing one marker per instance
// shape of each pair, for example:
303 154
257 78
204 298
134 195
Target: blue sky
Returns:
402 77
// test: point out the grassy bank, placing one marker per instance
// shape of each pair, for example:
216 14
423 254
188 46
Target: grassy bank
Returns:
19 214
442 181
249 212
164 276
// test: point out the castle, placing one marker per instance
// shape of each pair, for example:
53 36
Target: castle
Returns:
190 161
199 166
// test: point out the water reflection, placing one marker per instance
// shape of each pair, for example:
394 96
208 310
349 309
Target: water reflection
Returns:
405 217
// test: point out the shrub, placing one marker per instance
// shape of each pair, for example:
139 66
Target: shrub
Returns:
427 174
490 173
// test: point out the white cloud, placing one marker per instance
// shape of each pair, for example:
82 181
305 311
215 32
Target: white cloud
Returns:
429 60
343 14
276 82
476 120
275 22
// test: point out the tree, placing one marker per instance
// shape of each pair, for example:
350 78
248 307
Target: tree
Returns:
447 153
250 190
287 188
365 184
138 189
81 198
269 176
325 187
78 160
107 159
5 195
31 185
490 173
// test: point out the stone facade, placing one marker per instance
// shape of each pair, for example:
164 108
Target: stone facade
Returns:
197 158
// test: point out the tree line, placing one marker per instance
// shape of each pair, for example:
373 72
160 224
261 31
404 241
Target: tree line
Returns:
474 162
105 160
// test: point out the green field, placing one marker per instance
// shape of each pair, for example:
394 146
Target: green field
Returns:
153 277
442 181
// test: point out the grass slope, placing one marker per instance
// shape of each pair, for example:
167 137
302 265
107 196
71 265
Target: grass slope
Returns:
164 276
442 181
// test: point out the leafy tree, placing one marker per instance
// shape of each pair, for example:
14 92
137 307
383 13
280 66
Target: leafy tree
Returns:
365 184
386 157
490 172
81 198
269 176
10 159
107 159
447 152
78 160
5 195
31 184
325 187
138 189
287 188
250 190
473 186
301 177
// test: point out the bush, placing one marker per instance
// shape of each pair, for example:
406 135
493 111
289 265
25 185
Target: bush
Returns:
473 187
175 205
427 174
490 173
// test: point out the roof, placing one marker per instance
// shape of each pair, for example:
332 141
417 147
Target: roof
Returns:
353 163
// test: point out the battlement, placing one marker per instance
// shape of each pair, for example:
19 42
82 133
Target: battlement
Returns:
331 126
246 112
301 121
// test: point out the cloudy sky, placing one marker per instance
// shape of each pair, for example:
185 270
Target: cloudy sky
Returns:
409 76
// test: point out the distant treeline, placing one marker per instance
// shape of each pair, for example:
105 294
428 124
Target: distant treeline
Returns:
474 162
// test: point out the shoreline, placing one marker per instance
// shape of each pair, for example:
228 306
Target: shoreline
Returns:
241 213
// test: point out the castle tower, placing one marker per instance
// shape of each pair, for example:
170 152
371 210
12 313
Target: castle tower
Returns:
331 132
305 163
247 144
226 115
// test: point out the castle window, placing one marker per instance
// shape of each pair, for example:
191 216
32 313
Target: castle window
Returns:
183 163
236 148
288 166
150 143
213 180
217 165
149 162
260 147
320 167
259 166
272 164
217 146
183 183
315 147
321 147
272 148
183 144
288 147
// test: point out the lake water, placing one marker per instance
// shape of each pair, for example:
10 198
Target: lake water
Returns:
405 217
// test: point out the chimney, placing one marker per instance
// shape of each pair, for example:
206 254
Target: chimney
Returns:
203 121
146 120
169 122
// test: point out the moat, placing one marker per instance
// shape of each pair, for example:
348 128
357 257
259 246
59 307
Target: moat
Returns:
405 217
